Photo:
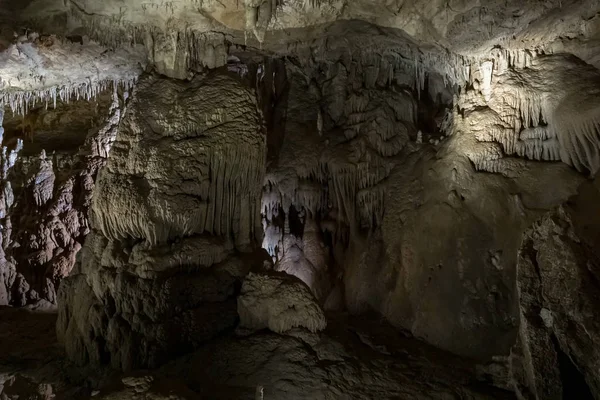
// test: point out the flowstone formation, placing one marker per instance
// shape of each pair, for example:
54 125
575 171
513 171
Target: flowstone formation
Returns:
174 221
52 151
279 302
514 112
370 217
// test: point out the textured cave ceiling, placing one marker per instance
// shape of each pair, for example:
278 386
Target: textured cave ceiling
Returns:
444 35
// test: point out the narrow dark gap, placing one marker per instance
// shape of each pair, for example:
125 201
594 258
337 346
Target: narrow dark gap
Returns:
425 110
574 384
430 110
296 221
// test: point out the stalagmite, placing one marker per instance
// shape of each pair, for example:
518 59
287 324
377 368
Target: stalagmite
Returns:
279 302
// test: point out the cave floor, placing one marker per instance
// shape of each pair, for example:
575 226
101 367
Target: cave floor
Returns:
355 358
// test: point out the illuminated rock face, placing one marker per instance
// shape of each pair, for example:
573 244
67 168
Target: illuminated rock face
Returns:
369 217
171 30
514 112
353 203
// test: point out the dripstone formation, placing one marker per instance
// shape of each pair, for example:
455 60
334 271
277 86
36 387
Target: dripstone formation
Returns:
176 211
278 199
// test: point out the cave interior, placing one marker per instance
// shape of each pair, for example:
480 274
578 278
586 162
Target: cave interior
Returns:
412 210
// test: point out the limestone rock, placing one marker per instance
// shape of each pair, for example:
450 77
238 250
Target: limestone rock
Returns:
174 224
462 25
17 387
147 387
558 270
279 302
189 159
357 358
395 154
50 75
52 194
338 363
371 220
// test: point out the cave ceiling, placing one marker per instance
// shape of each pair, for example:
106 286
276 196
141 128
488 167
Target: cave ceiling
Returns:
446 36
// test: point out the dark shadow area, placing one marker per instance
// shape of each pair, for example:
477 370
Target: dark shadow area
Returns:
574 384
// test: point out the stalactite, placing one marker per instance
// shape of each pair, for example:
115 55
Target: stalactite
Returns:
533 121
20 101
195 48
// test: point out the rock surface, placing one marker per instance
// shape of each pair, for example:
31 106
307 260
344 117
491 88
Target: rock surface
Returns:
465 26
370 218
558 286
392 156
353 358
38 68
46 196
173 225
279 302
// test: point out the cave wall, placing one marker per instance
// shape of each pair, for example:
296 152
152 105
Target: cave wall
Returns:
51 159
175 221
558 288
364 199
367 177
375 209
406 158
384 174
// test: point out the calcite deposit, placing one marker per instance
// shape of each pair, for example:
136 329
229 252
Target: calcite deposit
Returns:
320 199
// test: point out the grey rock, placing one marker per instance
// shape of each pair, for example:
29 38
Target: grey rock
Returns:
558 267
279 302
173 226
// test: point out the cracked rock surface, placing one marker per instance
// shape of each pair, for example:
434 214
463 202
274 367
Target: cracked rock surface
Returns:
558 267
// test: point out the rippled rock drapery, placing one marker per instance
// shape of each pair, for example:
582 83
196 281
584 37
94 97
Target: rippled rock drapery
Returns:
513 111
175 219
